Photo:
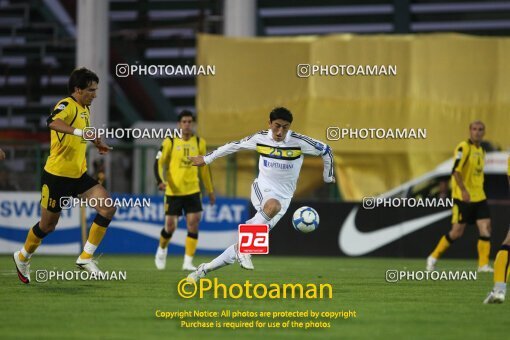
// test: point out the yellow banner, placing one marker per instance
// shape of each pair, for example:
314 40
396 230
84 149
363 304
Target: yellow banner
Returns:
442 82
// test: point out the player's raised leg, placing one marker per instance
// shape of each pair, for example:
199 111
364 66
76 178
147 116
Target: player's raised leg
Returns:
265 216
271 208
190 246
443 244
97 229
281 154
34 238
484 245
458 226
497 295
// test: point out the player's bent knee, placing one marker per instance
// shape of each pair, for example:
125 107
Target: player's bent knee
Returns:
47 227
170 226
506 241
107 212
193 229
455 234
193 223
485 231
272 207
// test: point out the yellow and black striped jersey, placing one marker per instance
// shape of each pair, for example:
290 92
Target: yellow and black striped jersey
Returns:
181 177
67 152
469 162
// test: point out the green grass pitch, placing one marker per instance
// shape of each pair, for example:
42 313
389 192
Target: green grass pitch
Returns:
126 309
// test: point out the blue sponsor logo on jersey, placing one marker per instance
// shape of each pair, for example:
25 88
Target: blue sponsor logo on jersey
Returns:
276 165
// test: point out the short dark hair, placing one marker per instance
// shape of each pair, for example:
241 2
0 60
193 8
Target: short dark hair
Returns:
476 122
280 113
185 113
81 78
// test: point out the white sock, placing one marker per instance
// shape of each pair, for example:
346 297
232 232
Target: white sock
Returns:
89 248
259 218
226 258
25 253
188 259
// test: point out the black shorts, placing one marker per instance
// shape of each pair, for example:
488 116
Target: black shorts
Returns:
176 205
53 188
469 213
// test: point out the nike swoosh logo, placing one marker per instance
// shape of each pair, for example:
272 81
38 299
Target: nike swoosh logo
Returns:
355 243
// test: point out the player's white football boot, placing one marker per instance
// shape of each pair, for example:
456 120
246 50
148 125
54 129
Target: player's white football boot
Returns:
188 267
244 260
495 296
89 265
23 268
485 269
195 276
160 258
431 264
188 263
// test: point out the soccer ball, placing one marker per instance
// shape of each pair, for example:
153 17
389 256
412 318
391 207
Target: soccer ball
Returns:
305 219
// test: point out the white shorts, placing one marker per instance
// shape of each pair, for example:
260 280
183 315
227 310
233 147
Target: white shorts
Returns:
259 197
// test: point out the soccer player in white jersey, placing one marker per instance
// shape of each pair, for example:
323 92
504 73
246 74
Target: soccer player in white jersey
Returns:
281 157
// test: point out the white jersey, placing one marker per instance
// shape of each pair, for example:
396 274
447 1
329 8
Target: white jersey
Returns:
279 162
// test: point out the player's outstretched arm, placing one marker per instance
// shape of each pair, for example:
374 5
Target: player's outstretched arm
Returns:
101 146
61 126
327 158
315 147
248 143
197 160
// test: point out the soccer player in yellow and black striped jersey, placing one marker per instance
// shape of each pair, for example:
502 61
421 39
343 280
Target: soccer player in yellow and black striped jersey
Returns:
497 295
65 173
179 178
470 203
